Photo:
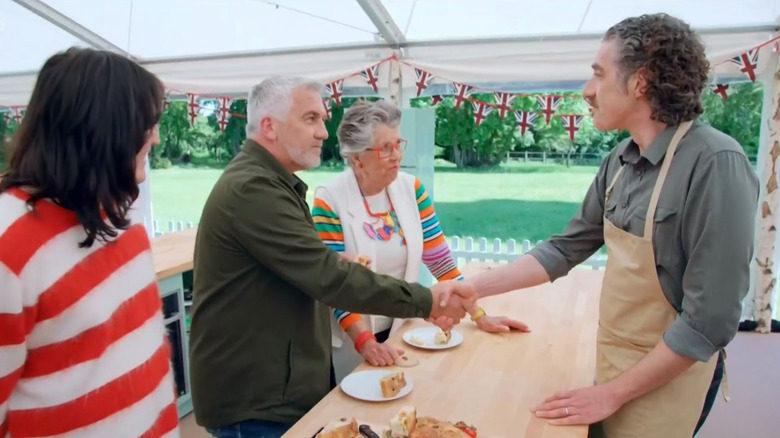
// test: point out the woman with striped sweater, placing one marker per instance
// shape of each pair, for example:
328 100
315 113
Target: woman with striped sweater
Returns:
83 350
374 210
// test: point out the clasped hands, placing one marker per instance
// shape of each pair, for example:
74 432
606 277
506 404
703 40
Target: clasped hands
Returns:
452 300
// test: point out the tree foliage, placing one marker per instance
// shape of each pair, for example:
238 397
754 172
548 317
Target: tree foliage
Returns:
457 137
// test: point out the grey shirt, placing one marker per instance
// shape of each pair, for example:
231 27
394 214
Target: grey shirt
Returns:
704 230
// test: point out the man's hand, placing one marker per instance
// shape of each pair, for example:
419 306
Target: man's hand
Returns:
380 355
450 301
580 406
500 324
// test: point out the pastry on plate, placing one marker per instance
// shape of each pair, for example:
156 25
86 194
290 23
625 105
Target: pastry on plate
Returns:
392 384
443 338
403 423
341 428
428 427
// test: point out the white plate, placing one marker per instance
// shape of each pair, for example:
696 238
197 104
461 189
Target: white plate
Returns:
428 337
364 385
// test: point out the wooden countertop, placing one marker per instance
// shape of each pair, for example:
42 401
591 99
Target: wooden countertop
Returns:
492 381
173 252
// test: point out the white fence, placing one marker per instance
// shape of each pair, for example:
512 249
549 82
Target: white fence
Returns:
173 226
469 249
464 249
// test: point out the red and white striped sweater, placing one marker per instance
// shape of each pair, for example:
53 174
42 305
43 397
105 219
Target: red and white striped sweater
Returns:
83 351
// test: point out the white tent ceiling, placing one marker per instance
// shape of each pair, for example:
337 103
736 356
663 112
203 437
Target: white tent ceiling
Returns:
224 46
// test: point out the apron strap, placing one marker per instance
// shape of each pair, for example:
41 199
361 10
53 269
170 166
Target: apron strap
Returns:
612 185
678 135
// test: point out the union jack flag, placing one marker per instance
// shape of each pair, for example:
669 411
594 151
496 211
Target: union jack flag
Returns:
549 105
166 99
462 92
504 103
334 90
223 111
328 104
525 120
481 111
721 89
19 114
192 106
436 99
572 124
747 62
371 76
423 79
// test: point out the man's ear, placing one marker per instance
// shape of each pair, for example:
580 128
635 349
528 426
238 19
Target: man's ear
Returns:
269 128
638 83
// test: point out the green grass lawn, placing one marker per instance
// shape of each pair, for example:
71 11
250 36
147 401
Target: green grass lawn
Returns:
523 201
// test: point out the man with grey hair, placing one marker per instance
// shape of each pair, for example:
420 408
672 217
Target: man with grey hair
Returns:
264 282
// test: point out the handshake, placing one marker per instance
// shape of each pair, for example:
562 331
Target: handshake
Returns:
451 301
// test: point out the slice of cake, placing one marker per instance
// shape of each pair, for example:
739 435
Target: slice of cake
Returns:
341 428
404 422
443 338
392 384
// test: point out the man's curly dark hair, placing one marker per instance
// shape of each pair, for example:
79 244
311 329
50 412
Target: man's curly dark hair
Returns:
675 65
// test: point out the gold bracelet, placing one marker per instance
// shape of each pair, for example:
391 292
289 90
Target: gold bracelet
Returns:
480 313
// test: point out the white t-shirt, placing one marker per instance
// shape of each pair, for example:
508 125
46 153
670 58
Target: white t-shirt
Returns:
391 255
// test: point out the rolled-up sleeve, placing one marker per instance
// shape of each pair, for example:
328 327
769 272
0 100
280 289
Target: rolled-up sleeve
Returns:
582 237
718 227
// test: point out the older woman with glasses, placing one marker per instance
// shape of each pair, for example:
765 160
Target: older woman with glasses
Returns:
384 215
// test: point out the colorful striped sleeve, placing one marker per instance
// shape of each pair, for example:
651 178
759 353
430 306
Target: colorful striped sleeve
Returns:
436 252
328 226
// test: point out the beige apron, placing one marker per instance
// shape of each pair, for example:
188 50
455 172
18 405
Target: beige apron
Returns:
633 315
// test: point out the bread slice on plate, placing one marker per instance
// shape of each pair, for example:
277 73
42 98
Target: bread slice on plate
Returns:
341 428
392 384
428 427
443 338
403 423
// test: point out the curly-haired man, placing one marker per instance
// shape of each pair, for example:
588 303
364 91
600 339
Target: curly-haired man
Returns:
675 206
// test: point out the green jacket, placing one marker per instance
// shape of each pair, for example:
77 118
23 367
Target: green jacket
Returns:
264 285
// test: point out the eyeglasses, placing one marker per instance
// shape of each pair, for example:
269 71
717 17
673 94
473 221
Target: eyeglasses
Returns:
387 150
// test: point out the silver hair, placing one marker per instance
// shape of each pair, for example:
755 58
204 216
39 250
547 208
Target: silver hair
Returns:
360 121
273 97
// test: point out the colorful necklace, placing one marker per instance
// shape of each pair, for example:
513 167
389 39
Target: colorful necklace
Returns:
385 225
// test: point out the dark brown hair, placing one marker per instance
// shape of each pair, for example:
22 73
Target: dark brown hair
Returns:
672 56
89 115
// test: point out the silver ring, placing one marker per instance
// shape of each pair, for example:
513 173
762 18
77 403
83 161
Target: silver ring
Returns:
567 412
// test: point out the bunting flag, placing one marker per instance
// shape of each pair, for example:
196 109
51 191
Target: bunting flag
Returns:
423 79
436 99
223 112
19 114
504 103
192 106
8 116
549 105
481 111
371 76
334 90
747 62
462 92
571 123
166 99
525 120
721 89
328 107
